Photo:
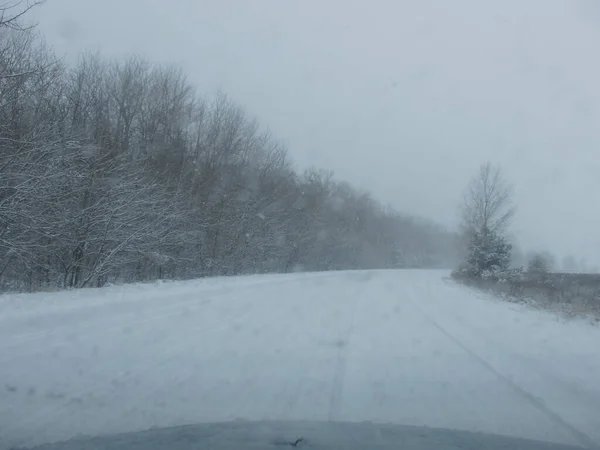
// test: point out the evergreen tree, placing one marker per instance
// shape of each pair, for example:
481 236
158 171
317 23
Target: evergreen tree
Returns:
488 253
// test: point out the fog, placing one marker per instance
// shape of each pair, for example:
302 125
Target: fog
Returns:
405 99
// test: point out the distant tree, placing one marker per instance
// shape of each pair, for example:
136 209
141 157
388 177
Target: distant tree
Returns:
486 212
538 263
11 14
550 260
569 264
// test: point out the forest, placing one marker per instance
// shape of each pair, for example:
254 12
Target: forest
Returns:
115 171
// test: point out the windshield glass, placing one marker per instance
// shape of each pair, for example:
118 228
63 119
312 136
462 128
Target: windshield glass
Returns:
299 211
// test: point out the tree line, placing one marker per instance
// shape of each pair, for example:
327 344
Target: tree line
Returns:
119 171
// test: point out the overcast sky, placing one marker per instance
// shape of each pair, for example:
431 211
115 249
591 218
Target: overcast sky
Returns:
403 98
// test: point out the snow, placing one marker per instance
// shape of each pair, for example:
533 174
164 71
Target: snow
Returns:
405 347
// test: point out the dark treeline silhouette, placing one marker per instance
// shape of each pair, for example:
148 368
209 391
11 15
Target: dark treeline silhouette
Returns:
118 171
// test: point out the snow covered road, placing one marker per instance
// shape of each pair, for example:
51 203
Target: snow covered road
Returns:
408 347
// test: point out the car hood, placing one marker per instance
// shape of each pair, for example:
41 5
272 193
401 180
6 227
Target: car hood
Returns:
242 435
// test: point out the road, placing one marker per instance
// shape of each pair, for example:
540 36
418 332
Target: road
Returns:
406 347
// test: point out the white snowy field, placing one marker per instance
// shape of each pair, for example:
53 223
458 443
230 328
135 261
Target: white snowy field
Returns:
407 347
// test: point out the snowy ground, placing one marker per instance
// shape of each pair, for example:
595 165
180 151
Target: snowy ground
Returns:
406 347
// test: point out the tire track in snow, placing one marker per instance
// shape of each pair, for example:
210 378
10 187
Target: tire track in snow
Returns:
274 325
581 437
180 346
327 316
343 342
184 376
539 367
292 400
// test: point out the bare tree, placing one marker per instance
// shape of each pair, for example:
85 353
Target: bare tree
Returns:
11 14
488 201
